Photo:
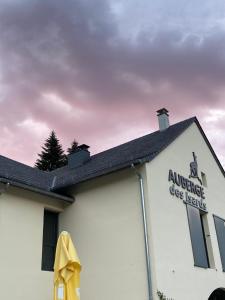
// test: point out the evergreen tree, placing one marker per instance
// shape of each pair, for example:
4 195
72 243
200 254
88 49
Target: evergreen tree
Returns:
52 155
73 147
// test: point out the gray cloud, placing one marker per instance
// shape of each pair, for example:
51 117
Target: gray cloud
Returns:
69 66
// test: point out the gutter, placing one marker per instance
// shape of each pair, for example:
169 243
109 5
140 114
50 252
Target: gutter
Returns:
101 172
9 182
145 227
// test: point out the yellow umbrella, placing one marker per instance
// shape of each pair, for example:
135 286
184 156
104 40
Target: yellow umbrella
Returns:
67 269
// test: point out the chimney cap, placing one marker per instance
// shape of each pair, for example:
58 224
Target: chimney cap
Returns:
79 148
162 111
83 147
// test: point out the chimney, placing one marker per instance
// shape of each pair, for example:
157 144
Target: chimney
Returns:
163 118
79 157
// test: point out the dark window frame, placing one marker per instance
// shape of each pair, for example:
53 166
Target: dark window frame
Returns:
49 246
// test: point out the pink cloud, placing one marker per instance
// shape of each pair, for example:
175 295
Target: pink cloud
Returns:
66 67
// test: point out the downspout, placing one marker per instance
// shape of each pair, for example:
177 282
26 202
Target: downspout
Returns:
145 227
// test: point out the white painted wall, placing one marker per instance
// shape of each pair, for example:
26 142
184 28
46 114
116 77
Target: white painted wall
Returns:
106 225
21 230
175 273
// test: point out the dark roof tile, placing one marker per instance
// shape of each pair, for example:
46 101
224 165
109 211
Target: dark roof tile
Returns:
146 147
16 171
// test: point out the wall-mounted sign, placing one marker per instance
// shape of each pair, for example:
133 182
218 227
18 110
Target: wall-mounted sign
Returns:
185 189
194 169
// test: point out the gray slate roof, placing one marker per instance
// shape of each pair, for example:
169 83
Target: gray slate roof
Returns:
122 156
16 171
26 177
53 183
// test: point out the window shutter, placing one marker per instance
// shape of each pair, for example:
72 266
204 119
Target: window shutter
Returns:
50 233
197 237
220 231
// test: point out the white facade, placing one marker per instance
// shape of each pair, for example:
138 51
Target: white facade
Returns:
106 225
21 231
173 260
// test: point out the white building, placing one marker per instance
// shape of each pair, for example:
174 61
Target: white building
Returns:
146 217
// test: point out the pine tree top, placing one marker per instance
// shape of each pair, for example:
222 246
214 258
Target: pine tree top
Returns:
73 148
52 155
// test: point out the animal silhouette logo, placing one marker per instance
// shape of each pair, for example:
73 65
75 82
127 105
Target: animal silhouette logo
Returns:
194 169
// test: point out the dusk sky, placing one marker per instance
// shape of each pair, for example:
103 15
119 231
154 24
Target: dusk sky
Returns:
97 70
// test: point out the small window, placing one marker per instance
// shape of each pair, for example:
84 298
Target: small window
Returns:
198 239
50 234
220 232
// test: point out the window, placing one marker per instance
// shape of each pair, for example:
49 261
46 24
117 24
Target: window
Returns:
198 238
220 232
50 233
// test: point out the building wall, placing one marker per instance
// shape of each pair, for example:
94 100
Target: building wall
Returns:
106 226
21 230
175 273
105 223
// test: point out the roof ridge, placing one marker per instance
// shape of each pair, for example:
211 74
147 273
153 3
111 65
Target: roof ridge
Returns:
56 172
145 147
143 136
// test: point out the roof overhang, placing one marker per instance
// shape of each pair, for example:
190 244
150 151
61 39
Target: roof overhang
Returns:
66 199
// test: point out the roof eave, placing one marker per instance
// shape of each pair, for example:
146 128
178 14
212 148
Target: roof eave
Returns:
37 190
210 147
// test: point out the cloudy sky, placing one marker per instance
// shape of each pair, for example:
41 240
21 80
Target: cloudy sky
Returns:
97 70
